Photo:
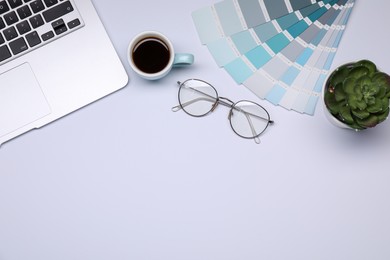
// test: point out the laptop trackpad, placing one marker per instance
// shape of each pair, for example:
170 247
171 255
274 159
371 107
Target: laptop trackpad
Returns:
21 99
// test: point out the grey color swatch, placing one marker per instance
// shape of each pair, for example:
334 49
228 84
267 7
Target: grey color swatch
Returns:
265 31
299 4
329 17
252 12
310 33
293 50
276 8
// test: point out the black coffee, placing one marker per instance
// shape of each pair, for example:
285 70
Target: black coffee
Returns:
151 55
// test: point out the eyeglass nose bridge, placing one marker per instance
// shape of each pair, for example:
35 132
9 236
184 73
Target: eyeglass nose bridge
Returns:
225 101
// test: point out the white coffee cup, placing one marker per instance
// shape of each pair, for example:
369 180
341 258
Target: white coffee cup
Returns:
151 55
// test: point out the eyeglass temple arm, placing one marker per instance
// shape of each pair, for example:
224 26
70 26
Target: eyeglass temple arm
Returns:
197 90
232 106
250 114
179 107
256 138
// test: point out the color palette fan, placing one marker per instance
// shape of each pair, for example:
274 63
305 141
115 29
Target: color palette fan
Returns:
281 50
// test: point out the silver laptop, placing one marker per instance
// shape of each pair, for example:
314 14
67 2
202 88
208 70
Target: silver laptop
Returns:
55 57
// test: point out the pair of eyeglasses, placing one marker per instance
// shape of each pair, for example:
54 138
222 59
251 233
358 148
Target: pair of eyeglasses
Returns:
198 98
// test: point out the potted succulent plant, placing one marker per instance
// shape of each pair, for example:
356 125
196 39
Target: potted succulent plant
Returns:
357 95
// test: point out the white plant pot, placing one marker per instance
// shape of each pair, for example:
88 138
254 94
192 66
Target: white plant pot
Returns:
329 115
331 118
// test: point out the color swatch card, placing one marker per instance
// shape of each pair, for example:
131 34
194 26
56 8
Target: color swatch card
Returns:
279 49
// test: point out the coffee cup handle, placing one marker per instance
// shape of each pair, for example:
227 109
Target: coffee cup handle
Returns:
183 59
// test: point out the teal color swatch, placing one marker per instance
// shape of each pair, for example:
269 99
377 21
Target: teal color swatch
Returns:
238 70
287 21
317 14
278 42
258 56
298 28
305 12
244 41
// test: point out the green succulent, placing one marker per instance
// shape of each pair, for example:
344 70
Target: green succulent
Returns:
358 94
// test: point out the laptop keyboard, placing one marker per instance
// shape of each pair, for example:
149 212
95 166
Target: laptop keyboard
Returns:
28 24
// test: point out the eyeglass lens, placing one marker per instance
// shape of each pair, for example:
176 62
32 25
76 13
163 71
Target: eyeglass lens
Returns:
197 98
248 119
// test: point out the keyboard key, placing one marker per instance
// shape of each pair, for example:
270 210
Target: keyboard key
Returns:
1 39
33 39
3 7
2 24
47 36
15 3
24 12
57 23
17 46
37 6
59 26
11 18
57 11
74 23
10 33
50 3
4 53
36 21
23 27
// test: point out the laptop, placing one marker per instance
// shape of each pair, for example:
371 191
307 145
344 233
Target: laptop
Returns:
55 57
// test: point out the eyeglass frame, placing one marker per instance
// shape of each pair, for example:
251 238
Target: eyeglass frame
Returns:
227 103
